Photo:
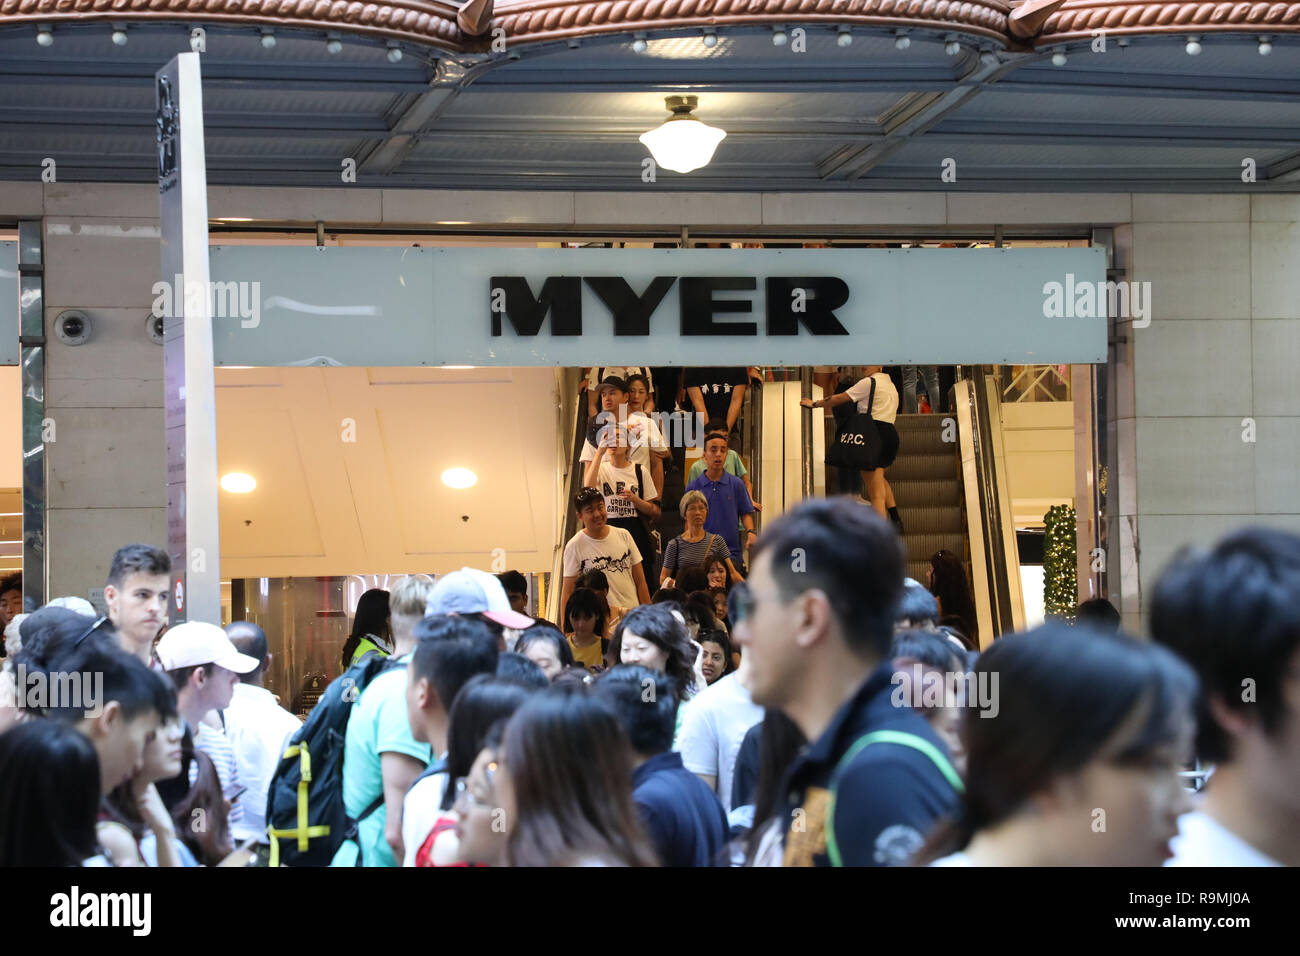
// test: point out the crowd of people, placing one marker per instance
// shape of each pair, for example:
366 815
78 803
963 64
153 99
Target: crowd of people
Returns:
725 699
824 718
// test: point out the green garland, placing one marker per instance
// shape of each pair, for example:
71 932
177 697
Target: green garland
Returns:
1060 570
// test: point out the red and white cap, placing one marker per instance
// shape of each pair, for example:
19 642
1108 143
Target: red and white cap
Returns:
197 642
470 591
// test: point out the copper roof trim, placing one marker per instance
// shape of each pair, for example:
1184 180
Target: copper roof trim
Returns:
434 23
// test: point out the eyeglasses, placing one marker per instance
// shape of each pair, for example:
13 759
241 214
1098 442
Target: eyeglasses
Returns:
740 602
463 790
90 630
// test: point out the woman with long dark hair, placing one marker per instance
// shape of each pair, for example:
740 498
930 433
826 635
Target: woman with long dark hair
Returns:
946 579
1074 760
564 780
371 628
50 796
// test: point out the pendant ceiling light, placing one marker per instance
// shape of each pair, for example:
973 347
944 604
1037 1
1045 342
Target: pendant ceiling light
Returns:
682 143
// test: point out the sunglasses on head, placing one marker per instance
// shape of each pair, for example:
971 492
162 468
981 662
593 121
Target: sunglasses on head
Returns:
90 630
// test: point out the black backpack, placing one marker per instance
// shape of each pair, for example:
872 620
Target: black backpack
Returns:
305 816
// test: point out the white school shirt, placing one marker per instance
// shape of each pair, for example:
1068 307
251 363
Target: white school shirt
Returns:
885 406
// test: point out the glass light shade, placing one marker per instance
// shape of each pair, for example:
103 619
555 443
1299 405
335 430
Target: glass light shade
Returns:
459 478
238 483
683 143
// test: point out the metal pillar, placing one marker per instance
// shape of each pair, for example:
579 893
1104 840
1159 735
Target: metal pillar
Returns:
191 423
31 338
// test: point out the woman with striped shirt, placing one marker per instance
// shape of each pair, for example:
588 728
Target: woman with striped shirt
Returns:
694 545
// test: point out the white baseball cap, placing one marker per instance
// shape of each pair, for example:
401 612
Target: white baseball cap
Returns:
470 591
198 642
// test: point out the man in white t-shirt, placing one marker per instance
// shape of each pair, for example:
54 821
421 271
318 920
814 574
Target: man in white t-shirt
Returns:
259 730
714 724
1232 613
602 547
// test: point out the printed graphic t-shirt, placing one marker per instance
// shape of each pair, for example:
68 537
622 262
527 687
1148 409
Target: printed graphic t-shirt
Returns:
612 480
716 386
615 554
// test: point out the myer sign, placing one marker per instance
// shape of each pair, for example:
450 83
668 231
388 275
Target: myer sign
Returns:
493 306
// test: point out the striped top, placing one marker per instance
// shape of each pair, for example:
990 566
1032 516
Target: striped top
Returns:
214 742
681 554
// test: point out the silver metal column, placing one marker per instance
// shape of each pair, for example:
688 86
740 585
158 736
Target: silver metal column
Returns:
31 337
191 423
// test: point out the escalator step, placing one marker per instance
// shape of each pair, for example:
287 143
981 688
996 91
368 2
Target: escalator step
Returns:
931 519
920 494
920 547
923 467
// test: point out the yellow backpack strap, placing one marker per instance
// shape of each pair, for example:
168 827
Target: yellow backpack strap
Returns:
302 831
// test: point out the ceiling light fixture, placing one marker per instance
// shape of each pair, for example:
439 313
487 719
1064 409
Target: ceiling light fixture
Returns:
682 143
268 38
459 478
333 44
638 43
44 36
844 37
710 37
119 37
1059 58
952 48
1265 46
394 52
238 483
779 37
901 40
1193 45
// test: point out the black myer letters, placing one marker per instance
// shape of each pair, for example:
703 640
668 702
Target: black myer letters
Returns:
561 298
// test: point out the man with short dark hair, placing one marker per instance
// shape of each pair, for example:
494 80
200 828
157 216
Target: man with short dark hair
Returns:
516 588
451 650
11 598
601 547
137 590
683 817
815 619
259 730
1233 612
728 499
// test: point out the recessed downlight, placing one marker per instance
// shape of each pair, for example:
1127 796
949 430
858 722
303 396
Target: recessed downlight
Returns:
238 483
459 478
